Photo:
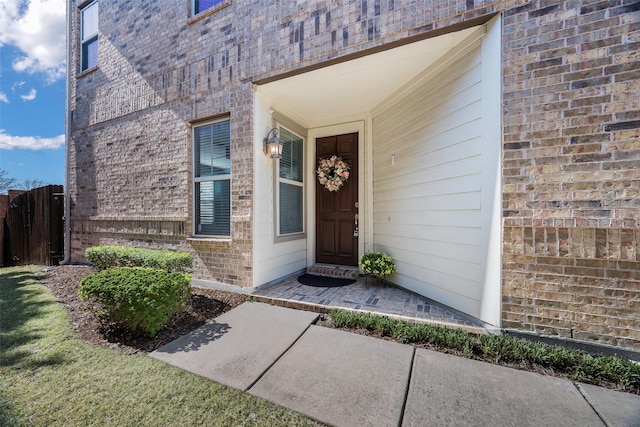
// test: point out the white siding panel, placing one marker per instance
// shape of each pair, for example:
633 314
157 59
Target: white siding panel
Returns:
462 235
418 175
436 274
442 131
439 269
422 159
438 248
427 191
435 101
448 218
432 203
450 185
437 286
447 85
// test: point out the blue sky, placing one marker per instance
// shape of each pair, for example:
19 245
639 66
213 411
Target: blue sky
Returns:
32 89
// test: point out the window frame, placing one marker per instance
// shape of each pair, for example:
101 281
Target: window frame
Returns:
86 40
196 16
196 180
282 237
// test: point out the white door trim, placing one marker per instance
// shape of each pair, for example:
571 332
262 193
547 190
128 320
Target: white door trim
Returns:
364 186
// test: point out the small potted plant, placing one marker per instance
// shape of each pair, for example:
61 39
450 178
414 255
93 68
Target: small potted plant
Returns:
377 263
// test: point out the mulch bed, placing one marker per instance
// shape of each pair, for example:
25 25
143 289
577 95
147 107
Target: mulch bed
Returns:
63 282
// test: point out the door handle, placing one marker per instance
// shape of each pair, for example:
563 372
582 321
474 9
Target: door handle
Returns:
355 231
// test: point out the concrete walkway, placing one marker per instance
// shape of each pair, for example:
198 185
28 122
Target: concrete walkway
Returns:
345 379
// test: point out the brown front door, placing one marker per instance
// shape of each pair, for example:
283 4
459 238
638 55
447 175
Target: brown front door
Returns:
336 210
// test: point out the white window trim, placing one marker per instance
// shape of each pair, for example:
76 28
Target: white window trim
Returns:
277 180
225 177
84 38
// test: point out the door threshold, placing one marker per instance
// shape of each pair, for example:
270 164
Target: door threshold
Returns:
334 270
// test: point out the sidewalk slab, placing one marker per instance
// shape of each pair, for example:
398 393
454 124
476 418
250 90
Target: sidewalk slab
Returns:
618 409
238 346
453 391
340 378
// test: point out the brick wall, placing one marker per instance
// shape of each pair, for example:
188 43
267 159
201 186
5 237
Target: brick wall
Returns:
131 150
159 71
570 154
571 263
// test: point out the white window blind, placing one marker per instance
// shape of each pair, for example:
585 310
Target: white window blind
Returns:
291 184
212 178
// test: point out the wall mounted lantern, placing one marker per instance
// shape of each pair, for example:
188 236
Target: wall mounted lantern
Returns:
272 144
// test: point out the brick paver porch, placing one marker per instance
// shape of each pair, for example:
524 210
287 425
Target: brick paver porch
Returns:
366 294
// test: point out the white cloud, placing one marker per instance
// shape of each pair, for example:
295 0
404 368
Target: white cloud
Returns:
30 96
9 142
37 28
3 97
17 86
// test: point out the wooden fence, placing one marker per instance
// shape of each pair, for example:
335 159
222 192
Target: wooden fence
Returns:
34 227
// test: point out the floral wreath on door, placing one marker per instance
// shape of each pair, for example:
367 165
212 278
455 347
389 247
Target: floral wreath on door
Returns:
332 172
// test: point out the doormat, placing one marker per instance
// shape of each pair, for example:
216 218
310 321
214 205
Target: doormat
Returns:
324 282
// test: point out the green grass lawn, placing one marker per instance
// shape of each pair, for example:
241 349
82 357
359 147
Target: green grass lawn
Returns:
48 377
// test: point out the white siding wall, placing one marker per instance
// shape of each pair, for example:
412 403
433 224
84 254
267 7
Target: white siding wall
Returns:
271 260
431 158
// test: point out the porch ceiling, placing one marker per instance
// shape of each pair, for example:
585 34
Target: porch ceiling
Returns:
316 97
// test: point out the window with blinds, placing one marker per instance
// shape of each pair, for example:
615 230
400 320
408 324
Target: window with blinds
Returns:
89 36
290 188
212 178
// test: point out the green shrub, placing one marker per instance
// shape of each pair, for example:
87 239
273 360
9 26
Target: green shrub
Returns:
500 349
124 256
138 297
